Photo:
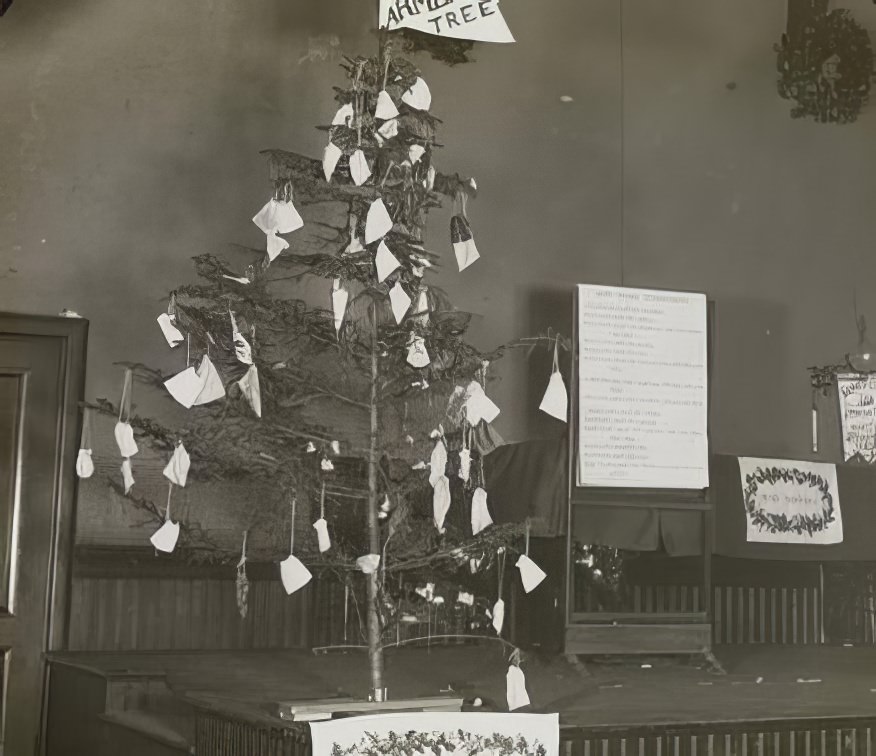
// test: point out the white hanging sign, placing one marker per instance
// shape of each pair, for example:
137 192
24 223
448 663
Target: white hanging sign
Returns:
857 398
480 20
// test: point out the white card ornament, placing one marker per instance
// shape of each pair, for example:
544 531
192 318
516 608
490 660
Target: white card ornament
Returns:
479 406
418 357
400 302
177 469
278 217
213 388
531 575
368 563
339 302
127 475
464 598
354 247
294 574
171 333
84 464
415 153
464 463
378 223
440 501
165 538
276 245
498 616
556 400
438 462
344 115
124 434
330 158
385 261
359 169
386 108
388 130
322 535
418 96
242 349
463 242
335 446
185 386
515 685
480 513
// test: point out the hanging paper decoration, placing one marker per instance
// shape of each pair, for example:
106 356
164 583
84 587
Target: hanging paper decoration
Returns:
326 465
531 575
515 685
344 115
415 152
359 169
123 431
242 581
84 462
276 245
368 563
474 564
463 242
330 159
293 573
242 349
430 178
386 108
177 469
556 399
400 302
335 446
213 388
165 538
339 302
418 357
426 591
387 131
322 535
465 457
378 223
421 311
185 386
478 406
171 333
127 475
278 217
498 616
386 262
480 513
124 434
467 599
418 96
438 462
440 501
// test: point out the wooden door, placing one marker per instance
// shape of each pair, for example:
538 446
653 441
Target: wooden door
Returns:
41 382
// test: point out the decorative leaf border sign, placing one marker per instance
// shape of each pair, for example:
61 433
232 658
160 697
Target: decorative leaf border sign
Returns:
790 502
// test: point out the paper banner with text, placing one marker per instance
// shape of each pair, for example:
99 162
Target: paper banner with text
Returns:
857 398
479 20
790 502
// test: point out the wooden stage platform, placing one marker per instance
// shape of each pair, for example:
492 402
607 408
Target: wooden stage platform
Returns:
772 699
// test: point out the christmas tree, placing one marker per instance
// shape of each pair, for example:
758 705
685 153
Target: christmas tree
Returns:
365 405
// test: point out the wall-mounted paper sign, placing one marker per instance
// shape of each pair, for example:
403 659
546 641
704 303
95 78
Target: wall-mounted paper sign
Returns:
643 388
857 398
479 20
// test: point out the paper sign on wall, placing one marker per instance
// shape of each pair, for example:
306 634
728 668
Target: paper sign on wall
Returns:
857 398
479 20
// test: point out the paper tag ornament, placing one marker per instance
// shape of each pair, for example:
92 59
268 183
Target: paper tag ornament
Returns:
185 386
294 574
465 598
386 108
339 302
359 169
378 223
322 535
400 302
438 462
127 475
177 470
480 513
330 158
278 217
388 130
531 575
415 153
84 464
213 388
242 349
463 242
276 245
250 388
418 96
124 434
440 501
556 400
344 115
498 616
171 333
464 463
165 538
478 405
385 261
368 563
515 685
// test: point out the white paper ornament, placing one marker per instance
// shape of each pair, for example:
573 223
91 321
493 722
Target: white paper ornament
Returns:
531 575
463 242
440 501
344 115
415 152
250 388
177 469
322 535
127 475
418 357
418 96
430 178
339 302
124 434
438 462
464 463
278 217
294 574
480 513
400 302
242 349
84 464
165 538
359 169
498 616
464 598
478 405
330 158
386 108
213 388
354 247
385 261
378 223
171 333
556 400
368 563
388 130
421 310
276 245
515 685
185 386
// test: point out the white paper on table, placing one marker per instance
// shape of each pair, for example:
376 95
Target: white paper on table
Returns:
464 464
385 261
165 538
359 169
276 245
294 574
556 400
171 333
498 616
388 130
418 357
177 469
368 563
415 153
480 513
124 434
185 386
438 462
440 501
344 115
330 157
418 96
127 475
339 302
531 575
251 389
322 535
84 464
378 222
386 108
515 685
213 388
400 302
278 216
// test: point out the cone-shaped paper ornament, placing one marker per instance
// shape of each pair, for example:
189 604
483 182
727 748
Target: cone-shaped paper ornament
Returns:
418 96
84 464
438 462
378 223
213 388
400 302
339 302
171 333
330 158
127 475
177 469
359 169
250 388
415 152
386 108
556 400
385 261
165 538
498 616
463 242
242 349
278 217
276 245
322 535
124 434
440 501
531 575
418 357
515 684
344 115
480 513
294 574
